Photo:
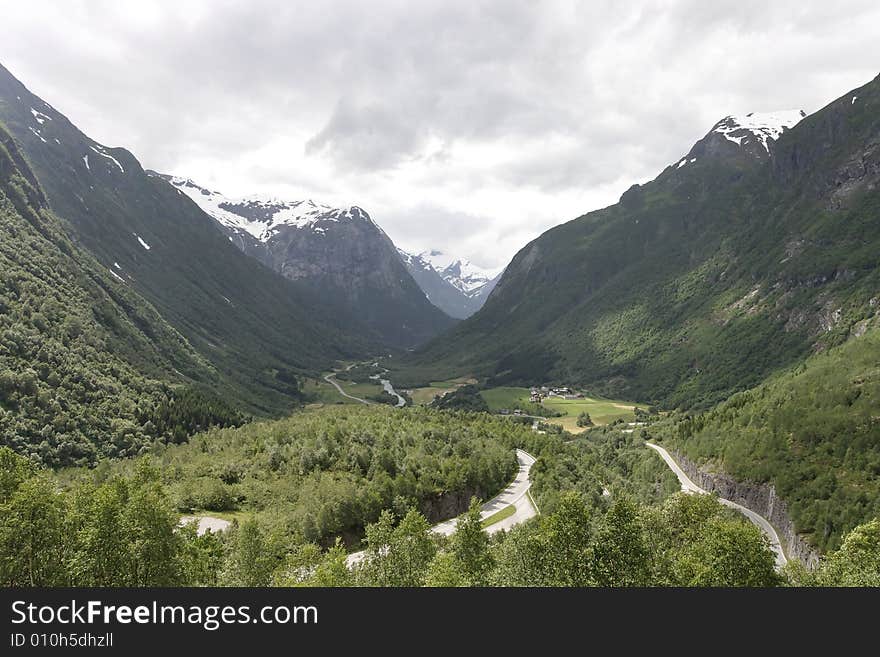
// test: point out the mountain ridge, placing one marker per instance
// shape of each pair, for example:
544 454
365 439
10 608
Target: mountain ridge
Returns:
259 330
453 284
697 284
336 252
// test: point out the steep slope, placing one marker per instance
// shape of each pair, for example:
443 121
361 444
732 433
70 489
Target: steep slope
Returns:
258 329
813 432
338 252
757 248
85 363
454 285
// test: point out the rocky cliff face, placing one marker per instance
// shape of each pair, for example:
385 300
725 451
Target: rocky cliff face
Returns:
762 499
341 253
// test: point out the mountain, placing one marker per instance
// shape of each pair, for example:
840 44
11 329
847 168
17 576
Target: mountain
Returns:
338 252
812 431
87 367
756 249
454 285
258 330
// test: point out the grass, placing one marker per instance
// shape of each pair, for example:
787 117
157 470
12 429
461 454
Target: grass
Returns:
602 411
498 516
325 393
427 394
498 398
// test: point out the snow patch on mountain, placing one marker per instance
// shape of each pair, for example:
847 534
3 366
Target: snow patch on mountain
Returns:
764 126
40 117
262 217
142 242
459 272
100 151
37 133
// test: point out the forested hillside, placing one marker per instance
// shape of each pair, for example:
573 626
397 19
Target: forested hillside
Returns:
735 262
321 474
258 330
814 432
122 531
85 364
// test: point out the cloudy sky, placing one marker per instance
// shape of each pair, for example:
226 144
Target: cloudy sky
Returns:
466 126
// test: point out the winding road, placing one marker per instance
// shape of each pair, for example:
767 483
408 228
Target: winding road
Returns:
331 379
688 486
515 494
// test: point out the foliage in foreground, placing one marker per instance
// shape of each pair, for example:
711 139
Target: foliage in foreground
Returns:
327 473
813 432
124 532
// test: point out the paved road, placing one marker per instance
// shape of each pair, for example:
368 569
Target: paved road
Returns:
515 494
206 523
689 486
331 379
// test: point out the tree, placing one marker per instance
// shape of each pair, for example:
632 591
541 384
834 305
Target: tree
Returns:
397 556
727 553
521 558
619 553
470 547
584 420
101 554
14 469
333 570
149 523
32 535
201 557
443 571
566 540
248 562
857 561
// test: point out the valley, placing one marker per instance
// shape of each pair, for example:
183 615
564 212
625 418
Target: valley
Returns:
201 390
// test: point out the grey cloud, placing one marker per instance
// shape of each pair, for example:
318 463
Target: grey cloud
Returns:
370 136
587 93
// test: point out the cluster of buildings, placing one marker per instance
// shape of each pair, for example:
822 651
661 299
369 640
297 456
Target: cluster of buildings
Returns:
537 395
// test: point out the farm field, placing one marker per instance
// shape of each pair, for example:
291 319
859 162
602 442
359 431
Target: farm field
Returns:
325 393
424 396
602 411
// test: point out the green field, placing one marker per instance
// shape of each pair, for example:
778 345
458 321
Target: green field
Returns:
427 394
602 411
325 393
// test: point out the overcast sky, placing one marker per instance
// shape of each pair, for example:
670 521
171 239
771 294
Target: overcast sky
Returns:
470 126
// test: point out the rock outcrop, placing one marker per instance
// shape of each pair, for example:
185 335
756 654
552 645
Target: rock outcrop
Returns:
760 498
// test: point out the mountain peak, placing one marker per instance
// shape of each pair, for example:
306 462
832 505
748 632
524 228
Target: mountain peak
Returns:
460 272
760 126
262 217
741 136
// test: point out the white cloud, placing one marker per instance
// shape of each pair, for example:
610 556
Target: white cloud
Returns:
469 126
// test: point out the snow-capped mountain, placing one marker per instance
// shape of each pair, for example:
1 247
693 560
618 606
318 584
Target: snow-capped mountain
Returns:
760 126
748 135
264 218
463 274
455 285
339 252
